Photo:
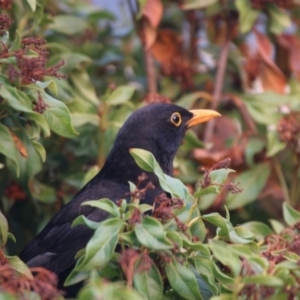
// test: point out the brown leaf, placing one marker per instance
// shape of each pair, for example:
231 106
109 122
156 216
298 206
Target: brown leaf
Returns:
219 26
208 158
273 79
147 34
156 98
151 15
153 11
272 196
127 261
271 76
251 64
167 45
259 64
292 44
19 144
225 130
168 50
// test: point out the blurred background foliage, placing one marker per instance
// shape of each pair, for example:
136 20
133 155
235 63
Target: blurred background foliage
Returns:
70 77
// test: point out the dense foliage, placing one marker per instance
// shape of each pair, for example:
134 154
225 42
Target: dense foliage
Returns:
68 81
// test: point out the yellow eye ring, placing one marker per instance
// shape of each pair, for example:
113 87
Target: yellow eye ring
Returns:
176 119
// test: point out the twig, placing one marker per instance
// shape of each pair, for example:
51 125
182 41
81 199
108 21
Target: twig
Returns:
149 63
294 190
244 112
281 179
194 27
150 71
222 62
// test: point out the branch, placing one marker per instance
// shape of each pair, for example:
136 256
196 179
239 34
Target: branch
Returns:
222 62
244 112
150 71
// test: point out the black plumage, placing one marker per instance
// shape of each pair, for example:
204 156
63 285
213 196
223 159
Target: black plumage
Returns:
158 128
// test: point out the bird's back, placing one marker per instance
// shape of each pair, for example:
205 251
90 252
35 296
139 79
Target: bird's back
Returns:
56 245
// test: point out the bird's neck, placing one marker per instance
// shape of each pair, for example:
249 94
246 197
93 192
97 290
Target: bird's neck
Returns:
121 167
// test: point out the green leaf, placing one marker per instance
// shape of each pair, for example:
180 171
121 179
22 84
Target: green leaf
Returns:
50 85
266 280
90 174
40 120
43 192
279 19
130 238
252 182
226 231
76 276
144 159
17 264
207 194
73 61
197 228
246 250
222 253
104 204
206 191
174 186
40 150
217 220
68 24
80 119
247 15
183 280
260 230
197 4
16 43
120 95
148 282
204 287
8 147
219 176
175 238
205 268
222 277
3 229
101 246
290 215
11 237
223 297
84 86
239 235
207 200
243 233
101 289
29 166
16 98
4 39
151 234
197 246
276 225
274 144
31 4
82 220
255 145
58 117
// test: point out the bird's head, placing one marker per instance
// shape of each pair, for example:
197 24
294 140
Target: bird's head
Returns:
158 128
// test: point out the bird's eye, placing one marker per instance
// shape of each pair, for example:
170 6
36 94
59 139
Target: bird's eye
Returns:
176 119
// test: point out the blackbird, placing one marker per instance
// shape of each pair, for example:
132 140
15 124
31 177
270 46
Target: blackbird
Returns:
158 128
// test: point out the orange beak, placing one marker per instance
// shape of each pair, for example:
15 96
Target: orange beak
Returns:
201 116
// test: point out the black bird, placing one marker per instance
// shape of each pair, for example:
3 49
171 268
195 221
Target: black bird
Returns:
158 128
